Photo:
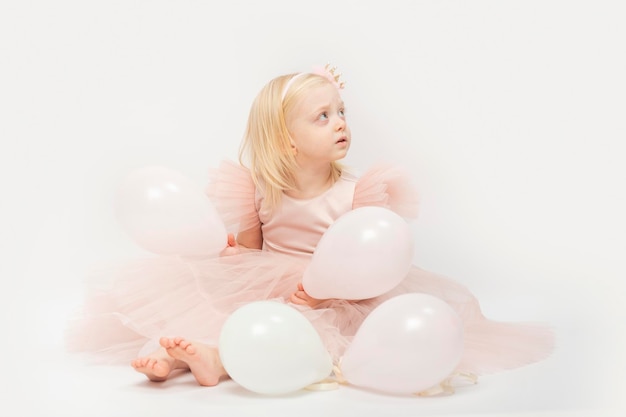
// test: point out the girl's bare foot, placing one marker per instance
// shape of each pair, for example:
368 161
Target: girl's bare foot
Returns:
158 365
203 360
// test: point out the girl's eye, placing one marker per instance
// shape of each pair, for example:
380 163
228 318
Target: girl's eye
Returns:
342 112
323 116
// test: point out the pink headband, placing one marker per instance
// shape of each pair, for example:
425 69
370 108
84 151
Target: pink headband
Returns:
325 71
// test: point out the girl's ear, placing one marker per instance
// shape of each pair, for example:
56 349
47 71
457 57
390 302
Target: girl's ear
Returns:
293 146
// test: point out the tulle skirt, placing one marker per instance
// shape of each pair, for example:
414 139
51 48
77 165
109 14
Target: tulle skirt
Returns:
135 304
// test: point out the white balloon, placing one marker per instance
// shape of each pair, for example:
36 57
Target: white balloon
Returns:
406 345
166 213
271 348
363 254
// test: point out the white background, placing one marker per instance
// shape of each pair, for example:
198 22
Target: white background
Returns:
509 114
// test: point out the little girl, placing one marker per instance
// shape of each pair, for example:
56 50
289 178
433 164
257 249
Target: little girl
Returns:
285 194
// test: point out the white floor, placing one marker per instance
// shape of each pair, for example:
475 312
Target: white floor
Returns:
582 378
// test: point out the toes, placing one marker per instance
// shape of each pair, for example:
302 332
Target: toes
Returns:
172 345
165 342
143 363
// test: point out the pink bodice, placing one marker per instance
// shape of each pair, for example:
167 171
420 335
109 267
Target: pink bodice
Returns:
297 226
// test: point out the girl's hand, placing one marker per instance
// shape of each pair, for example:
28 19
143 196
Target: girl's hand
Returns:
300 297
232 248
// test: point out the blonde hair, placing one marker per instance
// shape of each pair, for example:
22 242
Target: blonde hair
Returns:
266 145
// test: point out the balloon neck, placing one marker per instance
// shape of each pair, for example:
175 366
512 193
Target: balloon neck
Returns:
446 387
338 374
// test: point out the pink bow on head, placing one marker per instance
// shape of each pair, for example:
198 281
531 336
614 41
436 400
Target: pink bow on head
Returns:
325 71
329 72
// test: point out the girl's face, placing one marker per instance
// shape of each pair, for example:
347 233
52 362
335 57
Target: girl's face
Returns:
318 128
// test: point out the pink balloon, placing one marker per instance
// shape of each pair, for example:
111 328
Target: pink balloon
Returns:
365 253
166 213
406 345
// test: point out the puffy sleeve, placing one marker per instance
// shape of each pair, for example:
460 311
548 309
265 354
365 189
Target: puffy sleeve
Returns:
233 193
387 186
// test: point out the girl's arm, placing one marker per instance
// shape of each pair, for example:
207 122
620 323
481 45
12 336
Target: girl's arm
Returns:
251 238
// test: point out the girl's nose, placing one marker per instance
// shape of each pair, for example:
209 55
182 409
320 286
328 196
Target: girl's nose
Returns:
341 124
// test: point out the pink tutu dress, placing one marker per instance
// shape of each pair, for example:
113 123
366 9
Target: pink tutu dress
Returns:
176 296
